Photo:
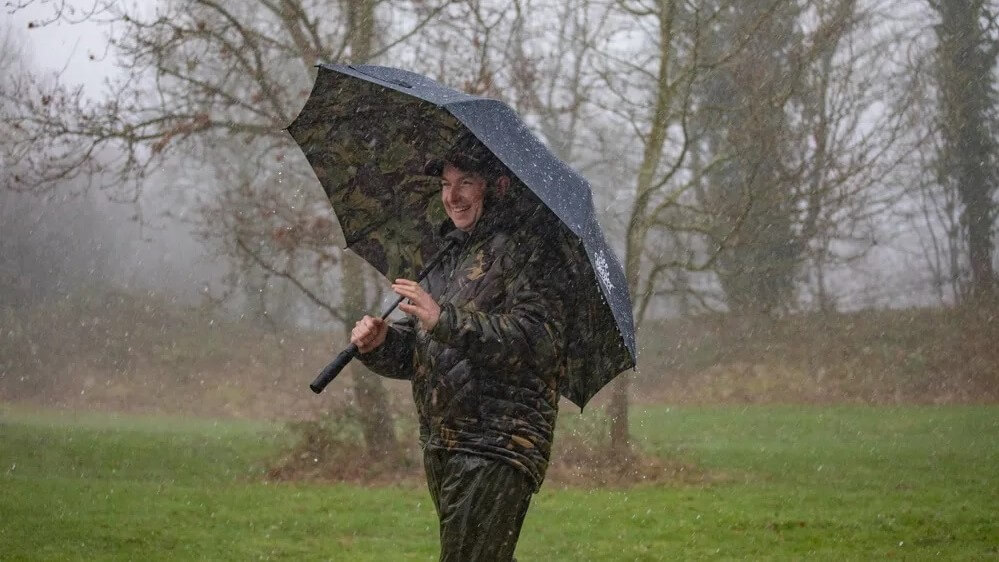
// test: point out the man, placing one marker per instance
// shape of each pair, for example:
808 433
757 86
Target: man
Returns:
484 348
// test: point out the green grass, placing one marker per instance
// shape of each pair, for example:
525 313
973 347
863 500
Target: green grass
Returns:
828 483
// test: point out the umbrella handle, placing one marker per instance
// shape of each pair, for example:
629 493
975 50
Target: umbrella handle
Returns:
333 369
327 375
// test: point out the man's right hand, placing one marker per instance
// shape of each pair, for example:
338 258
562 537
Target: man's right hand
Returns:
369 333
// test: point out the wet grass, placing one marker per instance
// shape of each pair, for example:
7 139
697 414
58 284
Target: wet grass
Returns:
838 482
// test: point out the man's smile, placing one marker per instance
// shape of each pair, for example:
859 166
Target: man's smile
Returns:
462 194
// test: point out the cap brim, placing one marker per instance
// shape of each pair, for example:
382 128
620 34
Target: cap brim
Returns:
434 167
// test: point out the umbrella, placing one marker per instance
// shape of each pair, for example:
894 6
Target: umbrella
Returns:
368 132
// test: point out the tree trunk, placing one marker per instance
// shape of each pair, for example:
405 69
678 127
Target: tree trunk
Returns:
638 221
966 58
370 395
757 273
979 217
617 410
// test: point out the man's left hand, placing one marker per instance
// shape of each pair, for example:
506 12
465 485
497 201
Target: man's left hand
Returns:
421 304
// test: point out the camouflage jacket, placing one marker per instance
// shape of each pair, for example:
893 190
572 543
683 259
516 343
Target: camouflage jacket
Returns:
485 379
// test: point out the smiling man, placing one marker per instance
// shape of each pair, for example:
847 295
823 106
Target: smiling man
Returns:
484 347
463 194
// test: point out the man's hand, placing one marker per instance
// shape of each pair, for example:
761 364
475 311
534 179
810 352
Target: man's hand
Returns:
368 333
421 304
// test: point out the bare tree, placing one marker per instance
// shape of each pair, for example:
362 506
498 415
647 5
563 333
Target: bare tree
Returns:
215 82
807 143
756 151
650 95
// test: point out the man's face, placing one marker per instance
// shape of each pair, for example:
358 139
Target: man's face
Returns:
463 194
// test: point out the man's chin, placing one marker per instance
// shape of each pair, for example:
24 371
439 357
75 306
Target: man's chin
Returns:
462 223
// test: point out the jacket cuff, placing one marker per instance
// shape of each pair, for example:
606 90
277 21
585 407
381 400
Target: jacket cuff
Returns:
384 359
447 324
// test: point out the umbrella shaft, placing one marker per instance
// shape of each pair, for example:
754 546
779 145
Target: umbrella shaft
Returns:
423 273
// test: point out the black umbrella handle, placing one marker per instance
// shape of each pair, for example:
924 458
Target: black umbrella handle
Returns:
327 375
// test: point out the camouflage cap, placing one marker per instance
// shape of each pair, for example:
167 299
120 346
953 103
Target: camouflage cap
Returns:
468 154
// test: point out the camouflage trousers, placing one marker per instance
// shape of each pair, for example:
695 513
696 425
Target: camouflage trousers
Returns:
481 503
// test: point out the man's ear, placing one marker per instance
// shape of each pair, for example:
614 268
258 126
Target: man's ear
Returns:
502 183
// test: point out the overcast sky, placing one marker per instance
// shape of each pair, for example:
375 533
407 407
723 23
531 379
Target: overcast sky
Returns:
64 47
169 257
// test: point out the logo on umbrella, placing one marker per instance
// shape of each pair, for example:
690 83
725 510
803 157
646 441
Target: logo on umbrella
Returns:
603 271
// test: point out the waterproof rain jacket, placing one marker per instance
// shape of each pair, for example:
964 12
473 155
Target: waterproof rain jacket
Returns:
485 379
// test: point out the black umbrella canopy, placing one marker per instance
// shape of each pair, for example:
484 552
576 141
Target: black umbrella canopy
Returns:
368 130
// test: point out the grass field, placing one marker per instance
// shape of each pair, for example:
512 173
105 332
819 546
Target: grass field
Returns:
789 483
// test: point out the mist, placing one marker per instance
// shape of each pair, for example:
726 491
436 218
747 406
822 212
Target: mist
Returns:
803 195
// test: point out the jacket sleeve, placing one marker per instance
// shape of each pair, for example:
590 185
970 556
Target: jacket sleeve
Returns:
531 330
394 358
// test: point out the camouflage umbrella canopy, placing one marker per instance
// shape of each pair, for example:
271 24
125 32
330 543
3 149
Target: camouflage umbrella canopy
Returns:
368 131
